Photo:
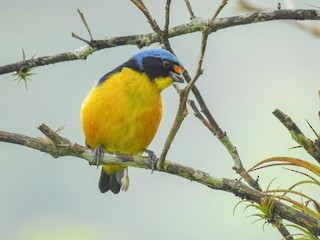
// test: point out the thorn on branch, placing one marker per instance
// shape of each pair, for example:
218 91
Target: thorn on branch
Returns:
279 6
314 131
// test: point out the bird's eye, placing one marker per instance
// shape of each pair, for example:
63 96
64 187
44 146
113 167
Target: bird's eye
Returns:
166 64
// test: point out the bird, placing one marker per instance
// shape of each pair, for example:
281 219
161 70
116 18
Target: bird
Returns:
123 111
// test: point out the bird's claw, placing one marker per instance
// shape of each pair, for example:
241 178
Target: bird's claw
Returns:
98 155
152 157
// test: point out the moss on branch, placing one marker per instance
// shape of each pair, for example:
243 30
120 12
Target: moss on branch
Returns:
141 40
57 146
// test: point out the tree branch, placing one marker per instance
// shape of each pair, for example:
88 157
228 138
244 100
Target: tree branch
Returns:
208 120
142 40
286 4
296 134
184 93
215 129
58 146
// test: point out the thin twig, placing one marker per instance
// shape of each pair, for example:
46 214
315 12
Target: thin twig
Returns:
85 24
182 112
167 17
163 35
80 38
165 32
189 9
145 11
184 93
238 166
198 114
214 128
221 6
83 19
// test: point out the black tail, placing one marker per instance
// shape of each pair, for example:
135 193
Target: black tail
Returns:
110 181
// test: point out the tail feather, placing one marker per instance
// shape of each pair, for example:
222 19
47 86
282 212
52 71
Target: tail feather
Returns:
114 181
114 184
110 181
104 182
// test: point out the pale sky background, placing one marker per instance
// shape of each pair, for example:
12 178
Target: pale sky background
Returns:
249 71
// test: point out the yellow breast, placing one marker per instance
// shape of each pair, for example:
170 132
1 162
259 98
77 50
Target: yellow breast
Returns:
123 113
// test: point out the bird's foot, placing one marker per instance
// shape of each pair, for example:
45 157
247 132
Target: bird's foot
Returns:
98 155
152 158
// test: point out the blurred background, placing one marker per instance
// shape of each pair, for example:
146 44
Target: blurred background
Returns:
248 72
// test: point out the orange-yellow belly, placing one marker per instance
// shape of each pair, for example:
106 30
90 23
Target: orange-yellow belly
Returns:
122 114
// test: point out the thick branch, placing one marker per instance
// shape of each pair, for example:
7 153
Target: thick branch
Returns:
66 148
142 40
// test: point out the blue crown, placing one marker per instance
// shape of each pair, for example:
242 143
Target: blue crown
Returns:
157 53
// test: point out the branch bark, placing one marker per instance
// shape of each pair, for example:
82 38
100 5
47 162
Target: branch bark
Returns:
311 147
57 146
142 40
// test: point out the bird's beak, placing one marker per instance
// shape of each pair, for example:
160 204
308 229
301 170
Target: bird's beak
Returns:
176 74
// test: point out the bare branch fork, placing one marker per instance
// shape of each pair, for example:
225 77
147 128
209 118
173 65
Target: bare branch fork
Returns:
182 112
142 40
58 146
207 118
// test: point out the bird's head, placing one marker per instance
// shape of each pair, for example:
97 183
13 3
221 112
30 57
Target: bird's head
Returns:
161 66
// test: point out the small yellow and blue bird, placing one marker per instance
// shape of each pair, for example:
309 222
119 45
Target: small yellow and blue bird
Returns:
122 113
